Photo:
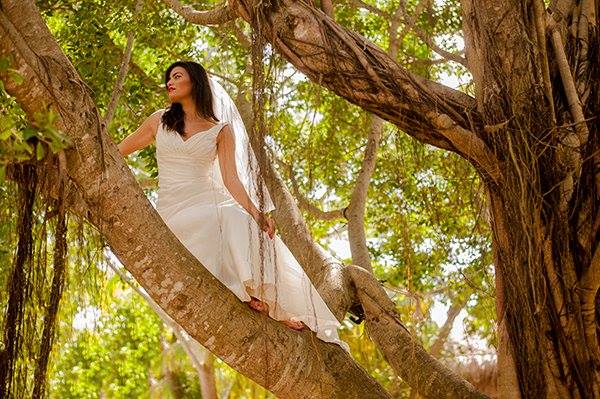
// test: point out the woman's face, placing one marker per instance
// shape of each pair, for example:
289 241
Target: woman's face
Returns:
179 84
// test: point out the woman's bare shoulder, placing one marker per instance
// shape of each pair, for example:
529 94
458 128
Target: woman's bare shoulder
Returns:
156 115
224 131
153 120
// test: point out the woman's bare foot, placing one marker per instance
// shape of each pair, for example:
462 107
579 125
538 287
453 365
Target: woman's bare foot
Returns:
295 325
258 305
263 307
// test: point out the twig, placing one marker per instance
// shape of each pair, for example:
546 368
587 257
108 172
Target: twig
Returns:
118 88
373 9
304 203
216 16
411 22
540 28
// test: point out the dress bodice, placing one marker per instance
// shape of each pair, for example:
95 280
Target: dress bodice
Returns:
181 161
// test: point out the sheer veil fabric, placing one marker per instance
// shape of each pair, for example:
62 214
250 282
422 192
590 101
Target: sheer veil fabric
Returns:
247 165
212 225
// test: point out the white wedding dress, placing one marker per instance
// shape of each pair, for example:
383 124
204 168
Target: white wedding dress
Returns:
225 238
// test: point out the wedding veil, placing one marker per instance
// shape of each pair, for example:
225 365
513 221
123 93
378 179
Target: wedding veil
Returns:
248 168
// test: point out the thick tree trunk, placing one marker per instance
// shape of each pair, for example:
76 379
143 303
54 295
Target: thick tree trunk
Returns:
507 382
544 215
104 189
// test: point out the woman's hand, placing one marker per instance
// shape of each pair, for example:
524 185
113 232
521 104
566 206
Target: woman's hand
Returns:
266 224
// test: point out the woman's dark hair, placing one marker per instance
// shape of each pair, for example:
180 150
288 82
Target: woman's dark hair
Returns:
172 118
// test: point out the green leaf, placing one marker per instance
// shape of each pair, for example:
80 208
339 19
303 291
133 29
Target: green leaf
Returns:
15 76
5 134
28 133
4 63
40 151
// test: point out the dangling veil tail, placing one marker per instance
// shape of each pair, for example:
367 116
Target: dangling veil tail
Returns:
248 171
247 165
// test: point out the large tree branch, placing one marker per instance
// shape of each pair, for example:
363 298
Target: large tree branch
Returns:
434 380
357 70
355 212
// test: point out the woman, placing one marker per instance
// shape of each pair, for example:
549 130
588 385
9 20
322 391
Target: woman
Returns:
208 197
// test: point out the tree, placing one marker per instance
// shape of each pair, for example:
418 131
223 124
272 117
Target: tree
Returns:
530 138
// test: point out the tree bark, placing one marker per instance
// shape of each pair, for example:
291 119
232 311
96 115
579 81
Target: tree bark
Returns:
444 333
544 215
357 70
288 363
355 213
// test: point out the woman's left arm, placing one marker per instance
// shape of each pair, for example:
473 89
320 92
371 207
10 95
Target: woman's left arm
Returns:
226 155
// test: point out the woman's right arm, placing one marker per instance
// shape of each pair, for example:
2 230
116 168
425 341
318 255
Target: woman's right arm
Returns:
143 136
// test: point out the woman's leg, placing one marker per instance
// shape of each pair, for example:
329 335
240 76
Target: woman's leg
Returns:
263 307
295 325
259 305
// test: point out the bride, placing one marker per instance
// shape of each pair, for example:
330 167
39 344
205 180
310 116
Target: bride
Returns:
211 197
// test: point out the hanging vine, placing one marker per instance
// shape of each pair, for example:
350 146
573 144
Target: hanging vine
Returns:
16 323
